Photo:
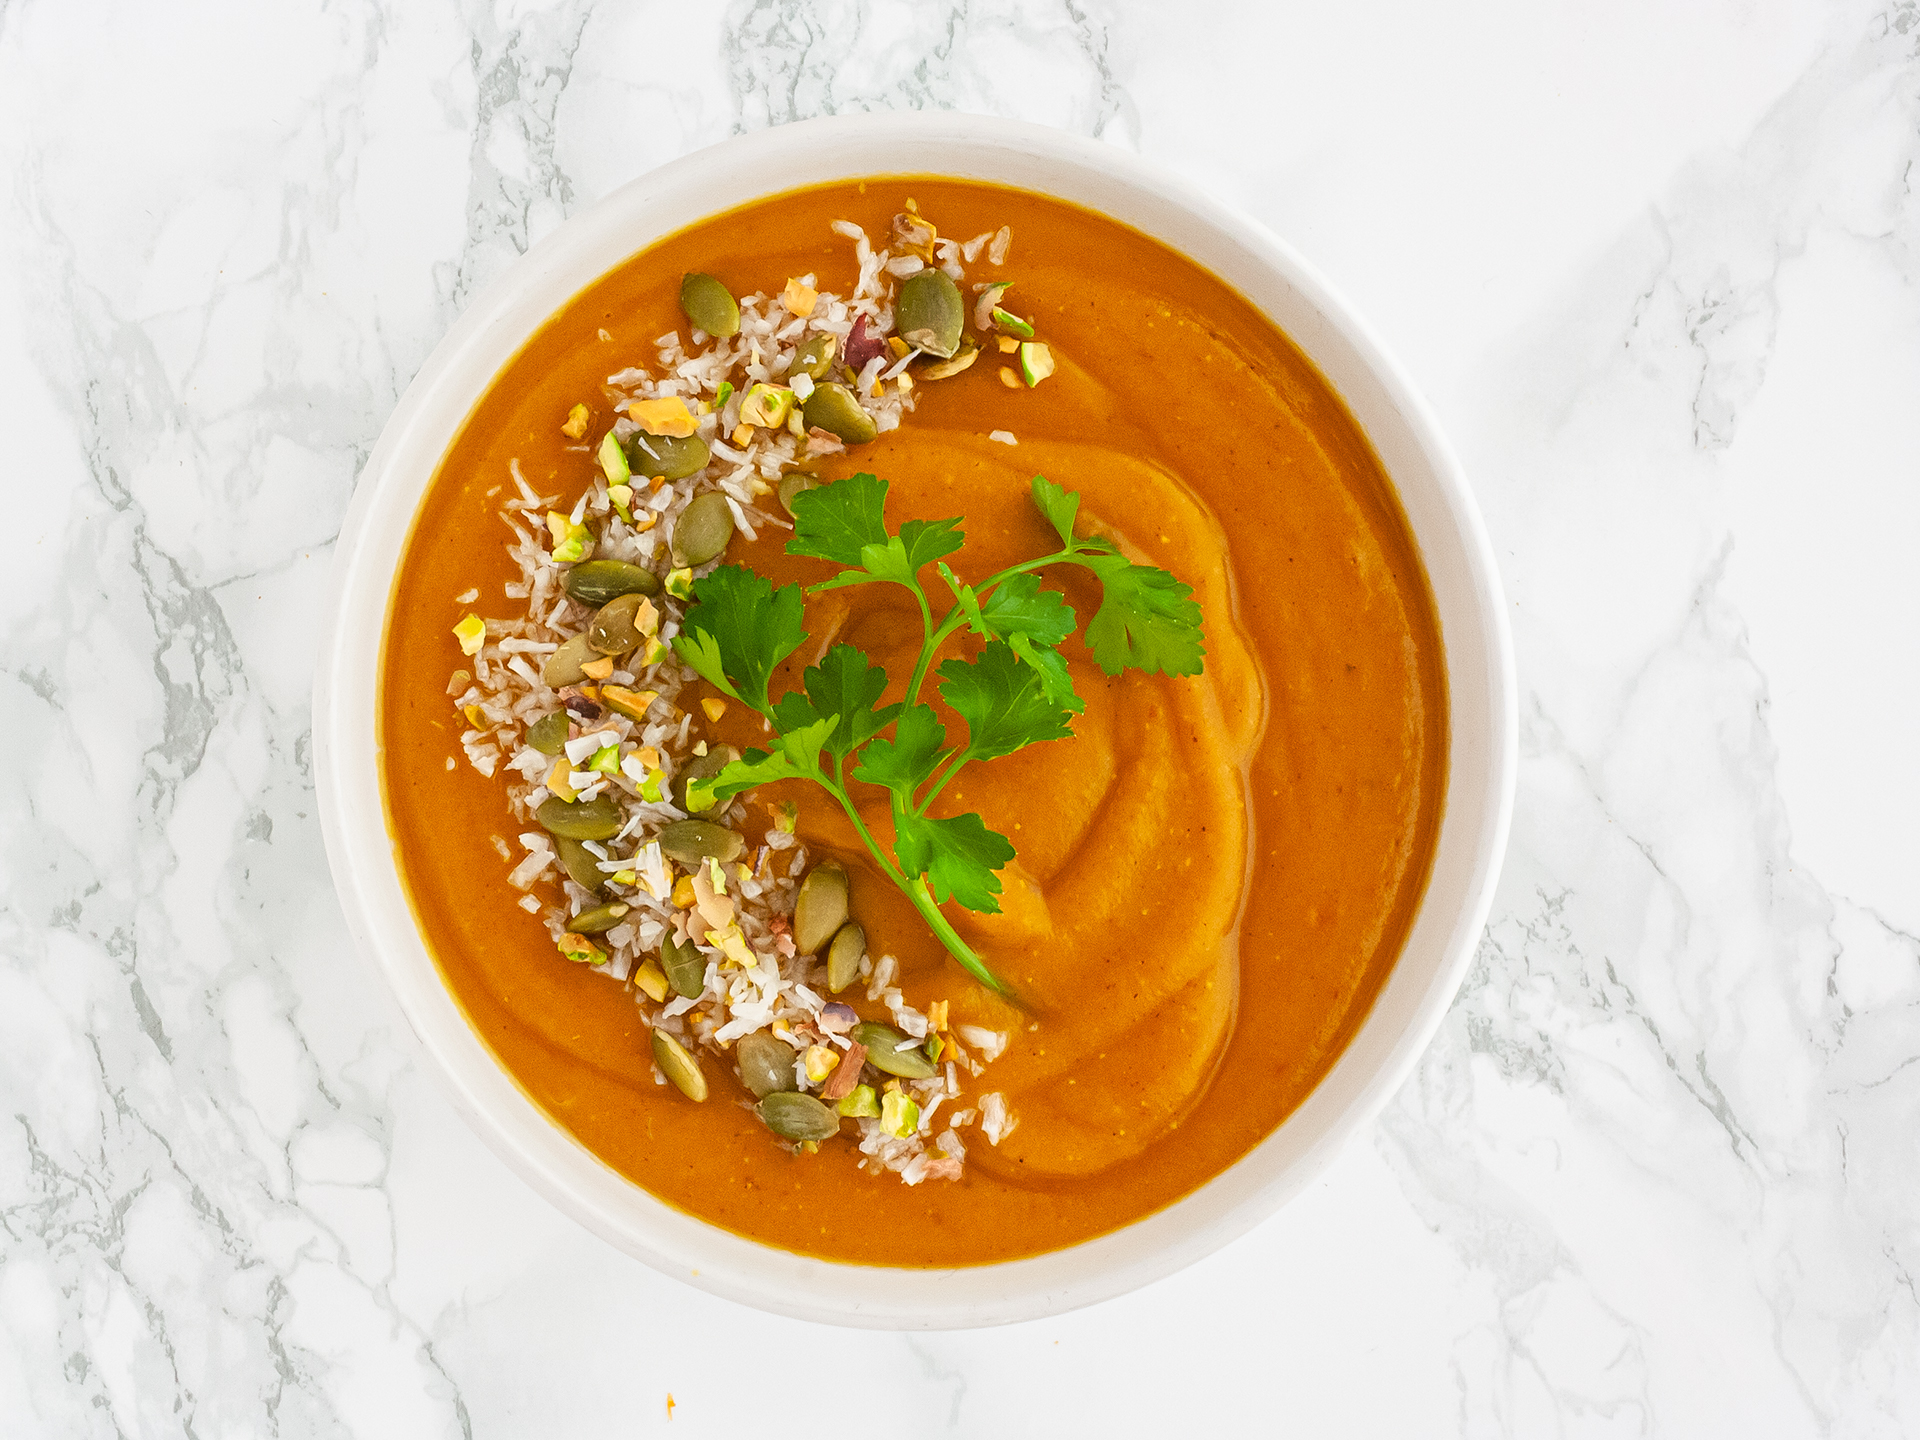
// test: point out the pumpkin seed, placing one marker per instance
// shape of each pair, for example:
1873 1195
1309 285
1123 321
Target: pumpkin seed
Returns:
703 529
701 767
666 457
595 819
766 1064
599 919
548 734
820 908
615 628
565 665
792 483
883 1044
581 864
930 312
849 948
692 841
832 408
795 1116
679 1066
709 305
813 359
595 582
686 970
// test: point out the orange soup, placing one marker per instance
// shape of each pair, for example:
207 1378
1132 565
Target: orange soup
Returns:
1210 876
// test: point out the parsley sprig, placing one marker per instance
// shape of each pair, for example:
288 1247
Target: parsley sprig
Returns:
1015 691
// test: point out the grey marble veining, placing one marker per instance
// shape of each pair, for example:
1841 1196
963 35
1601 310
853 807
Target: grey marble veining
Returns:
1656 267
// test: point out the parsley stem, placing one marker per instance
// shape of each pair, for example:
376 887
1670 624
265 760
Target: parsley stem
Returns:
915 890
953 619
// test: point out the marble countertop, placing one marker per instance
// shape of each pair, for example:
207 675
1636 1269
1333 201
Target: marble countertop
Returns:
1656 267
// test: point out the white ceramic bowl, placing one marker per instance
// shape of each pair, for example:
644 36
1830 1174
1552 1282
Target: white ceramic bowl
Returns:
1446 525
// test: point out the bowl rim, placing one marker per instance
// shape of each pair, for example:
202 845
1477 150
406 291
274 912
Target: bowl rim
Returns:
1399 423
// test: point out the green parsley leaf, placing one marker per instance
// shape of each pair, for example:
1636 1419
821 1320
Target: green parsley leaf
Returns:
1018 606
1004 702
1055 681
958 855
844 686
738 629
1059 505
798 758
836 521
1148 620
907 761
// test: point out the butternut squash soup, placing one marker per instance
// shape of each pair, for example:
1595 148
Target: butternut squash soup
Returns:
913 723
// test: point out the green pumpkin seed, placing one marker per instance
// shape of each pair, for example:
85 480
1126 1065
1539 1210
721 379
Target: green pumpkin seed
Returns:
581 864
563 666
667 457
692 841
709 305
599 918
701 767
930 312
849 948
703 529
679 1066
595 819
792 483
685 967
883 1044
595 582
548 734
820 908
813 359
832 408
766 1064
615 628
794 1116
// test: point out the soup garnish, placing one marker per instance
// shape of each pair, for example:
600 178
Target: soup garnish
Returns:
1016 691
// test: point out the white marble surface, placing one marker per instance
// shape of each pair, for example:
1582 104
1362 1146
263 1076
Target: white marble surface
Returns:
1656 265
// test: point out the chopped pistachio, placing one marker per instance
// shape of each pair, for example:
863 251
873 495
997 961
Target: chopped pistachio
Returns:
935 1045
599 668
557 780
1012 324
581 950
651 979
622 498
472 634
605 761
680 583
651 791
820 1061
624 877
1036 362
899 1115
1008 344
578 419
722 395
474 718
683 896
786 817
571 542
667 417
631 703
655 651
861 1101
714 708
1008 378
767 405
613 460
